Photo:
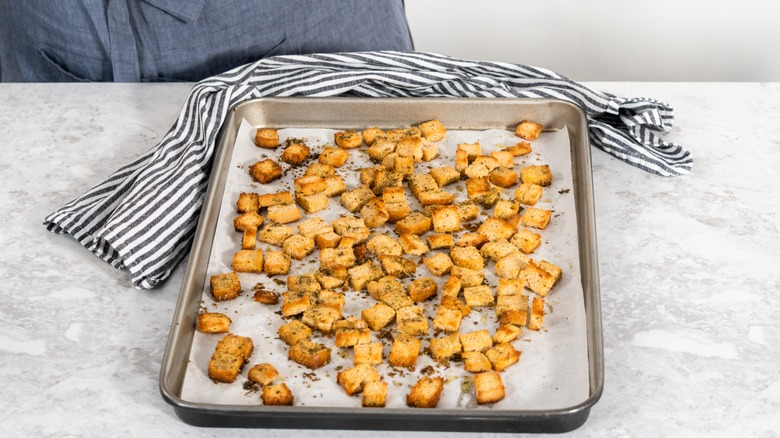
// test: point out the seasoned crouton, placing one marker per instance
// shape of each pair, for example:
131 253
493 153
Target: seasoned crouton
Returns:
331 278
512 265
433 130
507 333
448 317
361 275
396 299
472 239
321 317
374 394
313 226
521 148
378 316
352 227
405 350
404 166
503 177
551 269
537 314
336 186
397 266
309 185
277 395
502 356
265 171
398 134
467 210
445 348
425 393
451 287
526 240
303 283
478 296
297 302
478 340
410 147
276 263
248 260
369 353
446 219
370 135
335 157
295 153
320 169
275 234
528 193
536 217
505 209
263 374
374 213
312 203
309 354
388 283
482 191
298 246
353 200
444 175
488 387
412 244
267 138
247 202
510 286
247 221
497 249
414 223
225 286
436 197
439 241
422 289
481 166
466 257
469 277
209 322
348 139
537 279
411 320
508 303
429 150
333 257
279 198
331 298
475 362
528 130
229 357
379 149
384 244
461 160
439 264
395 202
294 331
539 175
283 214
514 317
495 229
472 149
505 158
264 296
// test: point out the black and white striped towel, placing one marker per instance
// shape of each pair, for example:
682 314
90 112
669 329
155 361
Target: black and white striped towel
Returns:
143 217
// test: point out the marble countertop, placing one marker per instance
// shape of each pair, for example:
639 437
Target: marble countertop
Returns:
689 275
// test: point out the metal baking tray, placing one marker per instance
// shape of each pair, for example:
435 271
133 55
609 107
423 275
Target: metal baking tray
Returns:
355 113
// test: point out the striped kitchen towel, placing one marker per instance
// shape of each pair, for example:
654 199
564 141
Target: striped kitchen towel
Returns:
143 217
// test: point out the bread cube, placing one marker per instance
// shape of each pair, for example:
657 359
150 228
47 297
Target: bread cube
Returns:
425 393
502 356
277 395
265 171
514 317
263 374
452 287
267 138
313 226
414 223
294 331
539 175
297 302
444 175
505 209
312 203
327 239
537 314
397 266
303 283
422 182
378 316
396 299
446 219
467 210
507 333
335 186
412 244
298 246
225 286
384 179
497 249
352 227
471 239
503 177
505 159
384 285
537 279
265 296
247 221
295 153
468 277
443 349
331 298
405 350
482 191
322 170
369 353
507 303
269 199
410 147
439 264
331 278
528 193
478 340
478 296
230 355
348 139
488 387
248 260
519 149
309 354
247 202
398 134
309 185
276 263
466 257
374 213
330 258
395 202
353 200
526 241
495 229
472 149
351 337
274 234
404 166
481 166
475 362
435 197
461 160
370 135
429 150
551 269
283 214
381 149
361 275
512 265
433 130
209 322
335 157
374 394
422 289
528 130
411 320
438 241
448 318
384 244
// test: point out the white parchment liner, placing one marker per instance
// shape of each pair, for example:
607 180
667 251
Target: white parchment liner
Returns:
553 370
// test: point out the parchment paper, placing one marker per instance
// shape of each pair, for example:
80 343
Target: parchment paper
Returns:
553 370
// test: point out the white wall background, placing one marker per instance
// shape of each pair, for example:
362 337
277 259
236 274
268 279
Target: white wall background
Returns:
609 40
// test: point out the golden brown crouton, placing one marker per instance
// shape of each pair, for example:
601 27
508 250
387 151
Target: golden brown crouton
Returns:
321 317
539 175
378 316
468 277
384 244
508 303
526 241
397 266
452 287
320 169
309 354
213 322
505 209
277 395
551 269
405 350
303 283
336 186
433 130
528 130
229 357
514 317
395 202
279 198
461 160
313 226
374 213
488 387
225 286
263 374
512 265
294 331
482 191
445 348
444 175
267 138
348 139
276 263
369 353
497 249
352 227
361 275
528 194
298 246
414 223
330 258
438 241
354 379
412 244
448 317
331 298
425 393
283 214
398 134
264 296
335 157
537 279
248 260
274 234
396 299
503 177
495 229
478 340
446 219
411 320
536 217
429 150
370 135
247 202
466 257
467 210
384 285
353 200
410 147
374 394
380 149
247 221
537 314
439 264
507 333
312 203
295 153
478 296
502 356
472 149
297 302
481 166
521 148
331 278
265 171
422 289
475 362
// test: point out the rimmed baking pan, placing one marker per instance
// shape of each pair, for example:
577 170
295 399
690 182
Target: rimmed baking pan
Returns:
561 372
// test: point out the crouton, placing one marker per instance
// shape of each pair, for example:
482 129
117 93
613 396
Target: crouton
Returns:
309 185
537 314
422 182
497 249
335 157
397 266
230 355
284 214
445 348
297 302
488 387
396 299
321 170
425 393
331 298
380 149
412 244
298 246
411 320
303 283
335 186
321 317
466 257
247 202
526 241
369 353
352 227
384 244
295 153
422 289
452 287
482 191
507 333
478 296
478 340
386 284
247 221
378 316
331 278
410 147
312 203
209 322
461 160
536 218
508 286
248 260
267 138
467 210
446 219
433 130
439 241
481 166
309 354
448 318
439 264
374 394
348 139
512 265
503 177
361 275
395 202
404 166
508 303
374 213
313 226
469 277
370 135
265 171
264 296
539 175
398 134
414 223
444 175
505 158
429 150
263 374
275 234
472 149
225 286
514 317
528 193
475 362
551 269
279 198
528 130
277 395
521 148
471 239
502 356
504 209
353 200
333 257
405 350
276 263
537 279
495 229
294 331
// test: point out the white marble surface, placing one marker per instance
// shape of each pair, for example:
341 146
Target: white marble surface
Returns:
689 275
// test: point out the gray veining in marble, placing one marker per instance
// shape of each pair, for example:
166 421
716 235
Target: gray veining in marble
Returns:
689 274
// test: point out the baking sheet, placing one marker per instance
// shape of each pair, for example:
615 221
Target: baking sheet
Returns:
553 370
